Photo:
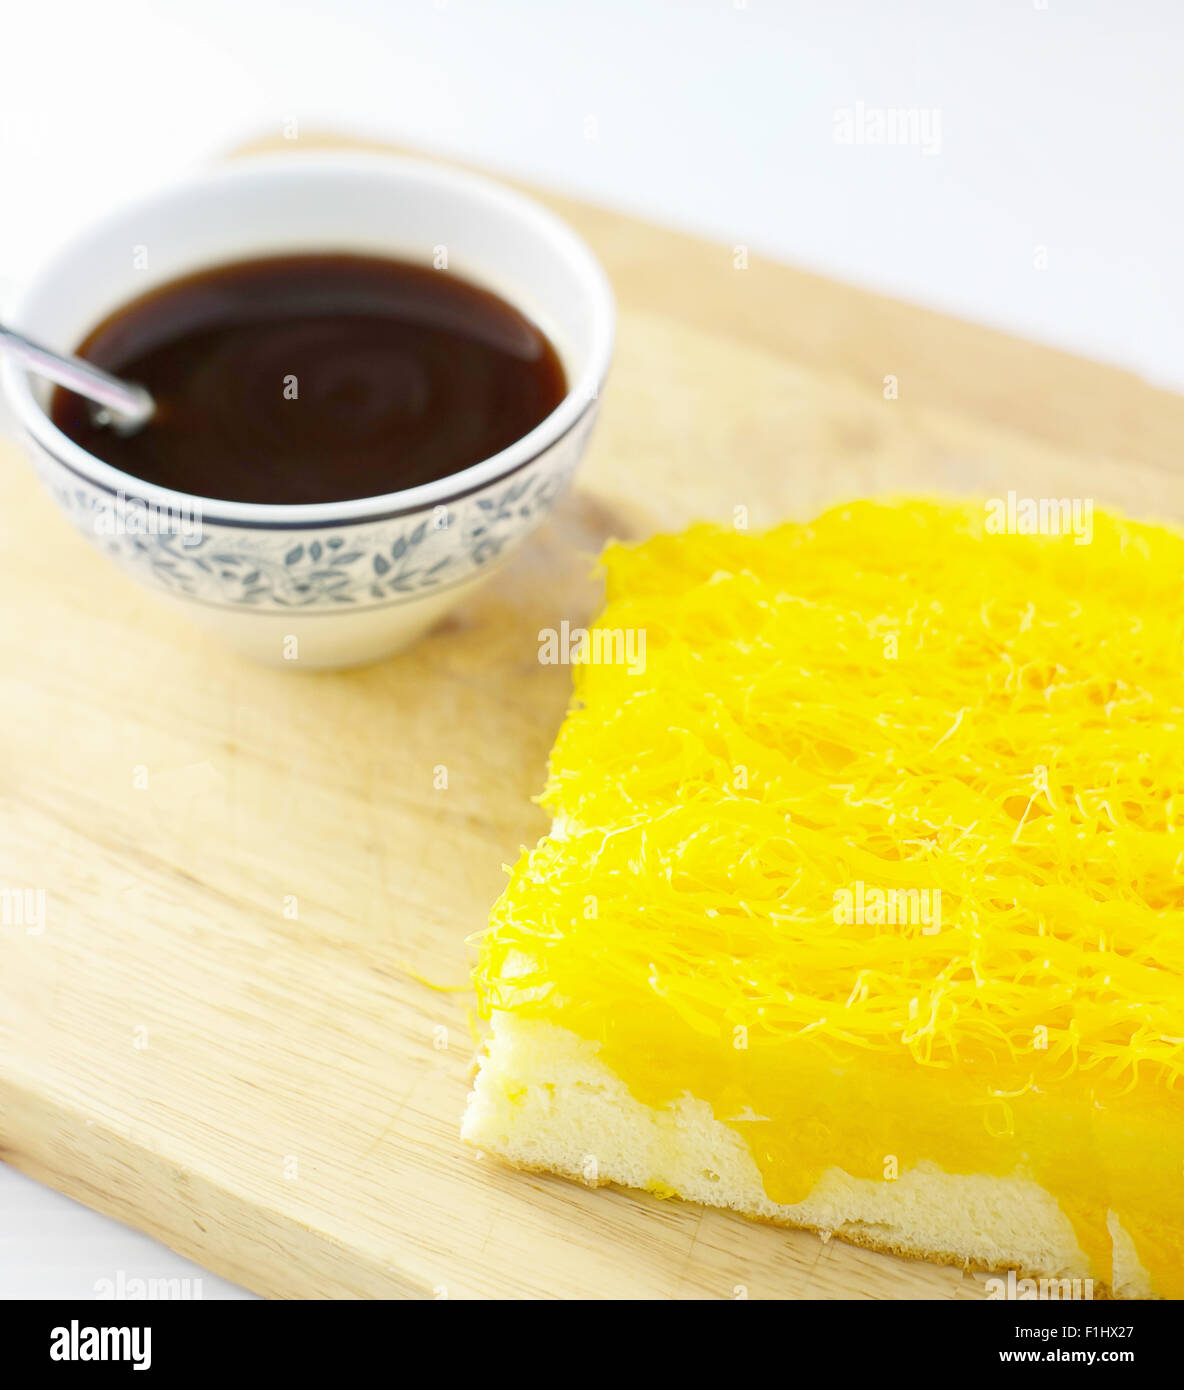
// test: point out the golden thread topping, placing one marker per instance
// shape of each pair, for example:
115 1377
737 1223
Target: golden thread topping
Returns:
887 783
887 697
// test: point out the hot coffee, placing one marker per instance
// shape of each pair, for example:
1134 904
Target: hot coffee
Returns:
317 378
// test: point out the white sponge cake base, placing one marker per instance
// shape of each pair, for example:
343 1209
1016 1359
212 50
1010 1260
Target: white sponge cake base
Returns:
544 1100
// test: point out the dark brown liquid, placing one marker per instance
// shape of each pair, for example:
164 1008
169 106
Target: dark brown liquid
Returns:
317 378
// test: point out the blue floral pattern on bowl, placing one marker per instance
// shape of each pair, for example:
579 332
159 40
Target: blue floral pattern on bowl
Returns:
357 564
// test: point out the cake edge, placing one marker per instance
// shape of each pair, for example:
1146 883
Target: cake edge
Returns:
544 1101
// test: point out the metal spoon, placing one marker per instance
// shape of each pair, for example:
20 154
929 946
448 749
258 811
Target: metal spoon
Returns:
123 406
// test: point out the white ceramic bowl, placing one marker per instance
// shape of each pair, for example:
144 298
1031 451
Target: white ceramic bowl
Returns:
340 583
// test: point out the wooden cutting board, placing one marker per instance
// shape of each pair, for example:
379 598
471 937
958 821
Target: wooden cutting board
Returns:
224 1034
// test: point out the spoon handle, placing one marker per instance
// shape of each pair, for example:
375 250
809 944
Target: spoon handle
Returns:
131 405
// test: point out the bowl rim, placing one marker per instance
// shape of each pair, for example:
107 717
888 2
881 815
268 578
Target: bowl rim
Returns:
580 398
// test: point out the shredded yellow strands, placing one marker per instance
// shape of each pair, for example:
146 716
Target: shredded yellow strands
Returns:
888 698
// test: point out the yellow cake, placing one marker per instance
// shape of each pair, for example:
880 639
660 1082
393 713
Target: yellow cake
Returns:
863 906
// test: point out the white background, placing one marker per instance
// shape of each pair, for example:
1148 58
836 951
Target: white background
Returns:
1060 124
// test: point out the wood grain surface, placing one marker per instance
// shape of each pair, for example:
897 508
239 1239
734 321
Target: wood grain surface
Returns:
226 1033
